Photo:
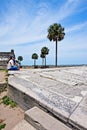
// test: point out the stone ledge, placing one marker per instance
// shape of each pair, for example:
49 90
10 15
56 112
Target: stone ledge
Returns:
29 88
27 98
43 121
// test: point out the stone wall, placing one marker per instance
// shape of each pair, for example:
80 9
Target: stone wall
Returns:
4 57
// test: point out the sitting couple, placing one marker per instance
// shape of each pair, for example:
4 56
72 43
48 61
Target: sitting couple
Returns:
12 65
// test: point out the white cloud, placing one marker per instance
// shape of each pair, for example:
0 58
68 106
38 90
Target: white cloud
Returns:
66 9
18 28
76 27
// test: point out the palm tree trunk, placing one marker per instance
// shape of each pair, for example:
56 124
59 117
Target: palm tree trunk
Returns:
56 55
34 62
42 61
45 61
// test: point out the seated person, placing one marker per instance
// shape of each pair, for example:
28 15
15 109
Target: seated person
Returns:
11 64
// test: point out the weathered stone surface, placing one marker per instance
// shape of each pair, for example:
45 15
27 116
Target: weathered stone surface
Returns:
79 116
43 121
23 125
28 94
58 90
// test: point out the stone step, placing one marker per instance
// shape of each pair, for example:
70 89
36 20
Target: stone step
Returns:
23 125
43 121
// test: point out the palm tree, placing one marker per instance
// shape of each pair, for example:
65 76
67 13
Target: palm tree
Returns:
42 56
55 33
35 57
20 58
44 52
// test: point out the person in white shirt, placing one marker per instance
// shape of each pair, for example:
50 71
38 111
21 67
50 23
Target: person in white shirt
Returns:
11 64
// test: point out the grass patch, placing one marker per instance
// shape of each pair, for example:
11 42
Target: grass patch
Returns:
6 71
7 101
2 126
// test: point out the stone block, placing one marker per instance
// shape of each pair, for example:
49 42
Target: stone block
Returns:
43 121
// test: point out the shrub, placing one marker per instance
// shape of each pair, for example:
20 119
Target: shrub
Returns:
7 101
2 126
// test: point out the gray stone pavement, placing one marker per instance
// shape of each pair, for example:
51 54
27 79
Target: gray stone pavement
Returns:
60 90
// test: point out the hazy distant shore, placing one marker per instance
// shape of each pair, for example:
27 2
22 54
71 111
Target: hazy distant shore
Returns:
52 66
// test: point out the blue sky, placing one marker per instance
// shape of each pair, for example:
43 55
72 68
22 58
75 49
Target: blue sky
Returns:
24 24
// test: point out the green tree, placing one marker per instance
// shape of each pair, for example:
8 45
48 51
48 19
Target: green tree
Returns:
35 57
20 58
55 33
42 56
44 52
